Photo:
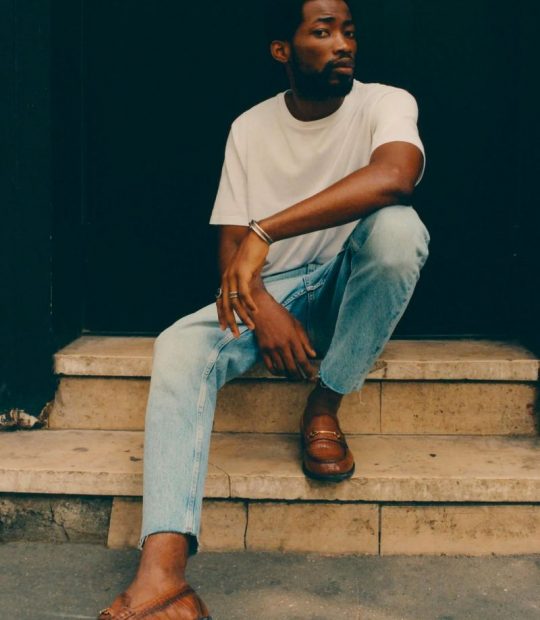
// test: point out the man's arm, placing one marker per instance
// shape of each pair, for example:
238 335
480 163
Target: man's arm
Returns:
282 340
388 179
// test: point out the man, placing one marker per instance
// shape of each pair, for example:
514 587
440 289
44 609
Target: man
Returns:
319 256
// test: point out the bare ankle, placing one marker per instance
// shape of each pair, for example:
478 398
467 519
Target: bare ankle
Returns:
166 553
323 400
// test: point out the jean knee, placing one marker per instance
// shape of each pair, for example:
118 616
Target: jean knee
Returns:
165 345
177 354
397 238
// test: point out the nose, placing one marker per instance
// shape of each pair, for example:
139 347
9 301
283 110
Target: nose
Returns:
344 44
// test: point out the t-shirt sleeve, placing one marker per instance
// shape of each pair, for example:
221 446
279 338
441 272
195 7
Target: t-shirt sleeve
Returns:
230 206
394 119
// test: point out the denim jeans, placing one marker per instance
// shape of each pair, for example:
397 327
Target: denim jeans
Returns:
349 306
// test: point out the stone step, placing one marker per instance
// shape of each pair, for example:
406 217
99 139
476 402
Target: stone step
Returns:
260 406
421 387
409 495
258 466
351 528
403 360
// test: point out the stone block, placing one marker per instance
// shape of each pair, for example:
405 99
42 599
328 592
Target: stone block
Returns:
100 403
79 462
458 408
276 407
54 518
109 403
460 530
106 356
467 358
388 468
125 525
334 529
223 524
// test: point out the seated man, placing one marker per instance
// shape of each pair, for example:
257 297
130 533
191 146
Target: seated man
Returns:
320 253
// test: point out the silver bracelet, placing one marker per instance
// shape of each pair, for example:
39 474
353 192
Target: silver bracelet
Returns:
260 232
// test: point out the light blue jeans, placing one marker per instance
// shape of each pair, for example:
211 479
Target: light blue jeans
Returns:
349 306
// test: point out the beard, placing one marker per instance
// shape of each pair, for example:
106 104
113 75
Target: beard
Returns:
316 85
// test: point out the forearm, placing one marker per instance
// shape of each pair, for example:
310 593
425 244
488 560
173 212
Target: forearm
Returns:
350 199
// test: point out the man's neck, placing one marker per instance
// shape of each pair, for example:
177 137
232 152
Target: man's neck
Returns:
309 110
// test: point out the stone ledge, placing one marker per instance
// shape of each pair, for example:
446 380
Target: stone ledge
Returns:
251 406
54 518
436 360
223 524
460 530
357 528
252 466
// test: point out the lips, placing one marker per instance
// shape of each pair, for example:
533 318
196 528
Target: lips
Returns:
344 66
346 70
347 64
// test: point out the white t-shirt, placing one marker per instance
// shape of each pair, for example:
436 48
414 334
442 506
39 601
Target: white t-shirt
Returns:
273 160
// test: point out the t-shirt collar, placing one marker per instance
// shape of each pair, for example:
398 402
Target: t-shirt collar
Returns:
319 123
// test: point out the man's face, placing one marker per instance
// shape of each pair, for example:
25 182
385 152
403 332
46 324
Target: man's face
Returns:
323 51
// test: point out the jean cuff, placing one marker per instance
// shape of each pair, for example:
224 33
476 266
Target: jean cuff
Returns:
193 541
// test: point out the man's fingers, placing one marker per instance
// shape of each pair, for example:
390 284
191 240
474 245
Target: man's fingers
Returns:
305 340
224 301
278 363
242 313
290 364
302 362
229 286
268 362
245 293
219 306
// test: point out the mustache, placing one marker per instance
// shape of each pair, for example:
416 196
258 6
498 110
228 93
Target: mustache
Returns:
332 64
343 62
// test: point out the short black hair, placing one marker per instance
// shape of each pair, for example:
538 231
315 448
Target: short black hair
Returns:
283 18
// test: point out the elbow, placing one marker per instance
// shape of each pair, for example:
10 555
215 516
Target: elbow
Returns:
399 184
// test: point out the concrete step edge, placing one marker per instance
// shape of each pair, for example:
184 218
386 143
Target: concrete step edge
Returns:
435 360
254 466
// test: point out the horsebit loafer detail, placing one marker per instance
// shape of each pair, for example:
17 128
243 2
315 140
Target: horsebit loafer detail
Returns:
325 453
165 607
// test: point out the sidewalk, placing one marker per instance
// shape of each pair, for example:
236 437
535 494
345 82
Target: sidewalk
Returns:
41 581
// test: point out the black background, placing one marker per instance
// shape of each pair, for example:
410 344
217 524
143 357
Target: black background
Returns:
164 80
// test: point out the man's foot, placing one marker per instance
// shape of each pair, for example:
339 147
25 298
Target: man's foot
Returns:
325 453
159 590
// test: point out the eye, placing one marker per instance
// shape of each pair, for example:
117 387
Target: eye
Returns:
321 33
351 34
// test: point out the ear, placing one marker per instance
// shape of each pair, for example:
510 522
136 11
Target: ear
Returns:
281 51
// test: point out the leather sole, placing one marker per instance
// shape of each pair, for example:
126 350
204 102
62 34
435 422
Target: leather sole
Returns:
328 477
157 607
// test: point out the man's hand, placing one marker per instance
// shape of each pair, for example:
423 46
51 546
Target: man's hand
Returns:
242 270
282 339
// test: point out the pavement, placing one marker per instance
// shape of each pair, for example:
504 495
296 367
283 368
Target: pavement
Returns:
40 581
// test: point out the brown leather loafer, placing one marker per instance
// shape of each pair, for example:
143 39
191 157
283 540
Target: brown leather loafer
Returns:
165 607
325 453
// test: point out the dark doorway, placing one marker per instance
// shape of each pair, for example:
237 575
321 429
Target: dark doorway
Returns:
162 82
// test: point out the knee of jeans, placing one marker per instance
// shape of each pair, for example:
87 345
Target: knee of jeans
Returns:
172 351
182 350
163 342
398 240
